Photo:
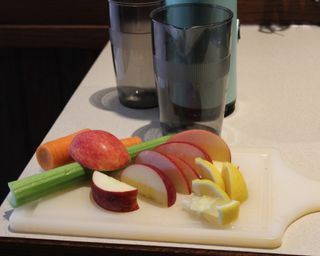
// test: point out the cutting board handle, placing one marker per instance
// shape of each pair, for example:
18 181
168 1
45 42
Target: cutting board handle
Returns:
293 195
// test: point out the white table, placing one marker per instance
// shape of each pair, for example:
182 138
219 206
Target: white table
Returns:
277 106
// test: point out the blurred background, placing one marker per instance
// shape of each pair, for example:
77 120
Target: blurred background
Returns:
48 46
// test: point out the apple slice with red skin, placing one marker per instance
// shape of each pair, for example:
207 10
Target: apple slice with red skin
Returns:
183 150
168 167
208 141
151 183
113 195
189 172
99 150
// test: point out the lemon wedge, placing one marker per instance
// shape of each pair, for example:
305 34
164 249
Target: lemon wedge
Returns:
235 185
209 171
222 212
205 187
218 195
214 210
198 204
218 165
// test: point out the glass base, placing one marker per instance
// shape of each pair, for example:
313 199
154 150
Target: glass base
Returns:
230 107
167 129
133 97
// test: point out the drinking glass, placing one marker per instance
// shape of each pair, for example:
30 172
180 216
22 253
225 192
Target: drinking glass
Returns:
191 55
130 36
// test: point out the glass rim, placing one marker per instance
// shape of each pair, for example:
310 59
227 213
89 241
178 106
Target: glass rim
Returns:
136 3
213 24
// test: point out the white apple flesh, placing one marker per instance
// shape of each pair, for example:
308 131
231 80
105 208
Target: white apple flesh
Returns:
113 195
168 167
151 183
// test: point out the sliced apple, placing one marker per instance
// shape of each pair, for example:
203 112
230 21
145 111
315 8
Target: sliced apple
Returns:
167 166
112 194
151 183
99 150
188 171
183 150
208 141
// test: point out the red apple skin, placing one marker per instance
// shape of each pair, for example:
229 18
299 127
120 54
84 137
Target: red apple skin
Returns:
209 142
99 150
168 167
189 172
186 151
125 201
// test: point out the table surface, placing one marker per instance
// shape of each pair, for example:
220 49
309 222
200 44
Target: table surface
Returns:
277 106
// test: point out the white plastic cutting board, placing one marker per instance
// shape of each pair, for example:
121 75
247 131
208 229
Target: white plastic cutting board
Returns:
277 196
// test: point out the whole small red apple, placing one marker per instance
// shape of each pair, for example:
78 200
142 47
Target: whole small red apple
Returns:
99 150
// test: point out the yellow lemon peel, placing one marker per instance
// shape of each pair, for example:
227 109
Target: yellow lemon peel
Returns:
235 185
209 171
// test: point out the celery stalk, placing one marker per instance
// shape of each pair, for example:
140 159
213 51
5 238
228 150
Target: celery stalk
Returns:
134 150
36 186
31 188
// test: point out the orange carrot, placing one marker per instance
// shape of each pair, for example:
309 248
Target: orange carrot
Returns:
131 141
56 152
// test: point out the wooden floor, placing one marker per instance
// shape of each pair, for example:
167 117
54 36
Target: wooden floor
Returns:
35 85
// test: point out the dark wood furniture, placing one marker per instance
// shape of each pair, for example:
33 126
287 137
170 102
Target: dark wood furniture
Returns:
83 23
34 247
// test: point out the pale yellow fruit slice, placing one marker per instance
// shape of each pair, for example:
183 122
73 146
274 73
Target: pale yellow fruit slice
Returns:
209 171
218 165
222 212
198 204
205 187
235 185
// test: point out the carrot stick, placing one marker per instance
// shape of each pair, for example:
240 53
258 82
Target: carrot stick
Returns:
131 141
55 153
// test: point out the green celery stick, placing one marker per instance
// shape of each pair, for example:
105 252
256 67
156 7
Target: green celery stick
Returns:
134 150
31 188
36 186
